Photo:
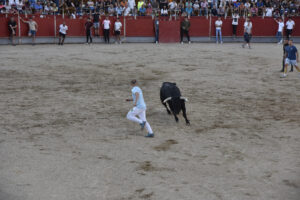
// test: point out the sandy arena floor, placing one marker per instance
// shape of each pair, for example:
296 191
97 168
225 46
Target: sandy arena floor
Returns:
64 135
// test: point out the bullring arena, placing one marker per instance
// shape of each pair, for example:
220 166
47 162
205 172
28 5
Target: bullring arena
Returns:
64 133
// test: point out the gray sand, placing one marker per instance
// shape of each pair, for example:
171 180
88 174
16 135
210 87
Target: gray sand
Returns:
64 135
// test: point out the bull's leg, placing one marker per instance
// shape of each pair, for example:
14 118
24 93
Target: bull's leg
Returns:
169 112
184 113
176 118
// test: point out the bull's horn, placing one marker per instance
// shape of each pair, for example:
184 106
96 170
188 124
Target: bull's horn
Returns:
184 98
167 99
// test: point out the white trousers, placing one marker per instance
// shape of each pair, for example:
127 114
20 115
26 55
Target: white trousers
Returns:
141 113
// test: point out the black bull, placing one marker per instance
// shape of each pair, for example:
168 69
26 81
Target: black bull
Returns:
170 96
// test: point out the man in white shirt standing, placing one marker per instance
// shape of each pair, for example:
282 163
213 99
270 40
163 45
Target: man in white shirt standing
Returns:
235 23
117 29
289 27
218 25
106 27
279 31
62 33
139 109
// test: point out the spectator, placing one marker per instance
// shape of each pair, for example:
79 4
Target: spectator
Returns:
289 27
181 6
204 8
260 6
33 27
140 3
12 28
106 27
149 10
247 32
117 28
156 29
62 33
279 31
155 6
163 3
88 26
218 25
189 10
214 11
184 29
196 8
269 12
131 5
164 11
111 10
172 7
221 11
142 10
38 7
119 10
254 11
19 4
235 23
96 18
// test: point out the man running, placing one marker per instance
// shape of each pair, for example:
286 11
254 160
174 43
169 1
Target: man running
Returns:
292 58
139 108
62 33
12 28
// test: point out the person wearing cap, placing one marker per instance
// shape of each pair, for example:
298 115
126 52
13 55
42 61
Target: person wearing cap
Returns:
139 108
184 29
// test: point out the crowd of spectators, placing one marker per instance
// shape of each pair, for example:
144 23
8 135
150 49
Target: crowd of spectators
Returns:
77 8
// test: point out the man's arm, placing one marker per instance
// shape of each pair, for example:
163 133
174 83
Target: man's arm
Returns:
297 56
36 26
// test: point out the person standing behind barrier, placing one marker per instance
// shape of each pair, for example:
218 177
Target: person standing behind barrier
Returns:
33 27
184 29
156 28
279 31
12 28
218 25
96 17
106 27
247 32
88 26
289 27
62 33
235 23
117 28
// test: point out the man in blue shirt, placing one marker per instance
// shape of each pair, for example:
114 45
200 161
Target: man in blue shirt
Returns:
291 57
139 108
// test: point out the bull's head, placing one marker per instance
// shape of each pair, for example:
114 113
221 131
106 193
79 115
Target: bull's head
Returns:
175 103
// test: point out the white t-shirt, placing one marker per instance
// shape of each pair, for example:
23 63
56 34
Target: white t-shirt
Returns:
280 26
63 29
118 26
269 12
218 24
248 27
106 24
235 19
290 24
131 4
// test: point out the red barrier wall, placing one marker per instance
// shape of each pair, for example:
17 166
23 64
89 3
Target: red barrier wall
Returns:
143 27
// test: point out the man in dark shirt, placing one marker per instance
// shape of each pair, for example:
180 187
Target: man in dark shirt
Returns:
291 58
88 26
184 29
96 17
12 28
285 44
